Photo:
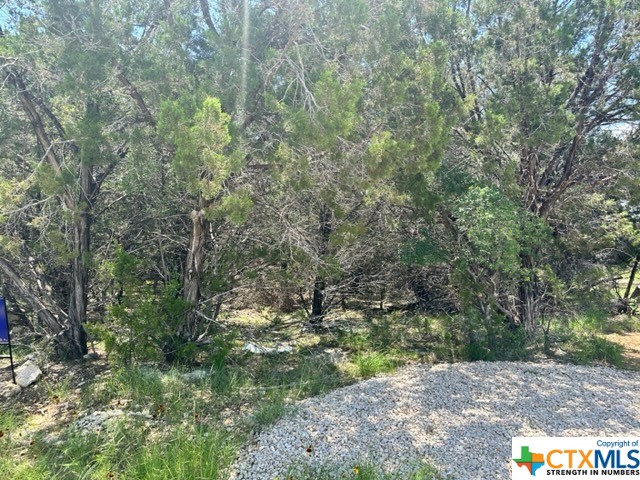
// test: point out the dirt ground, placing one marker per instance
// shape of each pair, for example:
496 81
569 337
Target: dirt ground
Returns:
55 399
631 343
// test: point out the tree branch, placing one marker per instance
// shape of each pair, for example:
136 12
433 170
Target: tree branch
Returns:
204 6
135 95
38 125
53 325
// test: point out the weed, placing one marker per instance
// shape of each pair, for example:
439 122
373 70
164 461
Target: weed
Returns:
134 383
60 391
373 363
9 422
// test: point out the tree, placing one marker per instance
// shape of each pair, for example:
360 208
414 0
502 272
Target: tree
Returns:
361 111
543 82
76 183
59 76
200 138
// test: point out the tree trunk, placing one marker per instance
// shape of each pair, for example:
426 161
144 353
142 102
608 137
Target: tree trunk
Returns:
632 277
528 314
80 269
318 307
628 294
72 339
193 272
79 285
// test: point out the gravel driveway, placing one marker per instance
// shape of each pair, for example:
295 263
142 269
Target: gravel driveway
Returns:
457 417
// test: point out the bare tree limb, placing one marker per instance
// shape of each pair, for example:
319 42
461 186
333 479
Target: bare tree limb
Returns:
204 5
135 95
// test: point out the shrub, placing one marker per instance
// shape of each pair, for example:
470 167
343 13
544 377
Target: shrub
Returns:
142 324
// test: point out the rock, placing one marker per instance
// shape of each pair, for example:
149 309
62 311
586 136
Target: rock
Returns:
90 356
27 374
194 376
96 421
9 389
260 349
254 348
334 355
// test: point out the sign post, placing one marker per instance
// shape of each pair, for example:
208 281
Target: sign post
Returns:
5 336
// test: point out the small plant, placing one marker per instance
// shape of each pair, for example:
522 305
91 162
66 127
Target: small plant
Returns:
386 332
58 392
141 325
373 363
9 421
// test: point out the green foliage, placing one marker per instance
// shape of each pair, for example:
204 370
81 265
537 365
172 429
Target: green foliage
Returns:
333 115
236 208
142 324
51 183
500 344
497 232
90 137
383 334
426 251
200 136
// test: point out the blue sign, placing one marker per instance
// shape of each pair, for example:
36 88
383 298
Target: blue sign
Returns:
4 323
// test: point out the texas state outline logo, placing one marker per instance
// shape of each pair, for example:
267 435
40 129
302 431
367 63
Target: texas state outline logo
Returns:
575 457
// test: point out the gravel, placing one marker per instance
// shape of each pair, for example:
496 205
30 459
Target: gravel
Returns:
458 418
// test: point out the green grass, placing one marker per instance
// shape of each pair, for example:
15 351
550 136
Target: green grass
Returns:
200 453
23 470
370 364
268 411
594 349
186 437
13 446
126 450
582 340
9 422
141 385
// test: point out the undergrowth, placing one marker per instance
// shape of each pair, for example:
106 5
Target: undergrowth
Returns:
174 427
